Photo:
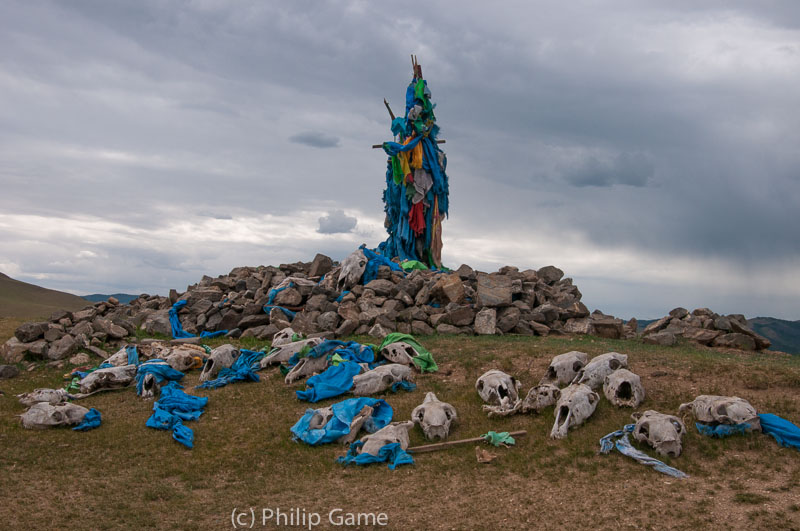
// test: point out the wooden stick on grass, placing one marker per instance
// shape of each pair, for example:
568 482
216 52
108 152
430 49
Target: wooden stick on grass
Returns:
449 444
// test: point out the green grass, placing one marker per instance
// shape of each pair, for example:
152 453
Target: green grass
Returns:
125 474
20 300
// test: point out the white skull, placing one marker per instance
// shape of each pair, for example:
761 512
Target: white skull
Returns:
576 404
662 432
623 388
540 397
396 432
497 388
320 418
43 415
221 357
728 410
182 359
284 337
564 368
380 379
399 352
150 386
595 372
283 353
434 417
50 396
305 367
105 379
352 269
119 358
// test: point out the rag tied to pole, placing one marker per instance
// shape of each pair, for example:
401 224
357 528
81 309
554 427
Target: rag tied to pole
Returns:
416 194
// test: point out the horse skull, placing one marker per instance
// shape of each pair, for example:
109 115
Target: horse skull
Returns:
595 372
662 432
497 388
576 404
396 432
282 353
564 368
399 352
352 269
434 417
50 396
623 388
110 378
221 358
730 410
43 415
380 379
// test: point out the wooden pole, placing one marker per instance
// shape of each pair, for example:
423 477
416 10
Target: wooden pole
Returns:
450 444
378 146
388 108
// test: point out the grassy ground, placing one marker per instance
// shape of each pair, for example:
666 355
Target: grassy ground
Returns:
126 475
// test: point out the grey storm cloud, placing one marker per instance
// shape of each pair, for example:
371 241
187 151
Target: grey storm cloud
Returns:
336 222
644 129
629 169
315 139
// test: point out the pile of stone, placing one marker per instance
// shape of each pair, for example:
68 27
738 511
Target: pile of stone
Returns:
421 302
705 327
66 332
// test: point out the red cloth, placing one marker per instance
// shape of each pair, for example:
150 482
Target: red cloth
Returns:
416 218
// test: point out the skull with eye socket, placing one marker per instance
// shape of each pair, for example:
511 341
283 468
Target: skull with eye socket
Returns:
564 368
221 357
400 352
352 269
434 417
623 388
594 373
43 415
380 379
662 432
284 337
729 410
575 405
497 388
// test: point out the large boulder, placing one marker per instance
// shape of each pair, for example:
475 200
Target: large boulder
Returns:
486 322
64 347
449 288
31 331
13 350
494 290
702 335
550 274
320 265
662 338
158 323
735 340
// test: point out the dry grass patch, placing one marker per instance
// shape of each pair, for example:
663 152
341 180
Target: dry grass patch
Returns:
125 474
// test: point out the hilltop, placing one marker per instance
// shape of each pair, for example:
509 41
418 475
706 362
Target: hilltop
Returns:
21 300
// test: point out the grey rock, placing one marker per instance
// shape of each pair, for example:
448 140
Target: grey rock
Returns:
320 265
39 348
550 274
448 289
539 329
486 322
608 327
347 328
8 371
494 290
656 326
79 359
64 347
53 334
250 321
679 313
158 323
447 329
702 335
288 297
84 315
13 350
723 323
382 288
421 328
28 332
735 340
328 321
461 316
663 338
261 332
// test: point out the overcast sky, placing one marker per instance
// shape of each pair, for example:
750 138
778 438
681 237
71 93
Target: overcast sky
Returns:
648 149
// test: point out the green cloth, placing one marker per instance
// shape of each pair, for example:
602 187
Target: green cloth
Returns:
336 360
497 439
296 337
410 265
397 170
423 360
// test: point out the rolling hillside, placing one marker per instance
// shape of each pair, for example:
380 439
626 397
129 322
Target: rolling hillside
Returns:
785 335
21 300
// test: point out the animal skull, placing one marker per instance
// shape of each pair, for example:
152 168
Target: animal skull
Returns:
396 432
380 379
119 358
662 432
434 417
595 372
221 358
106 379
729 410
284 337
564 367
307 366
623 388
43 415
497 388
182 359
540 397
400 352
50 396
283 353
576 404
352 269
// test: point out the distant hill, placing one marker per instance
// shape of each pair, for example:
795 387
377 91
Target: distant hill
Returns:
123 298
21 300
785 335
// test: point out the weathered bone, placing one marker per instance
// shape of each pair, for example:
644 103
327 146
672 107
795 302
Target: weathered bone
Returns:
396 432
623 388
284 337
306 367
576 404
729 410
540 397
182 359
400 352
564 368
595 372
352 269
221 357
283 353
119 358
662 432
497 388
380 379
50 396
43 415
106 379
434 417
